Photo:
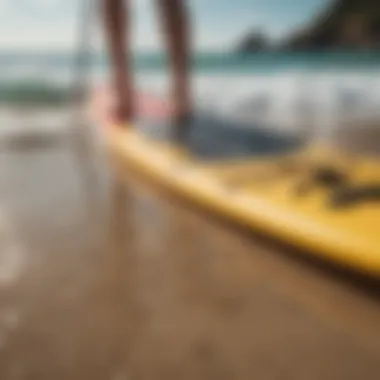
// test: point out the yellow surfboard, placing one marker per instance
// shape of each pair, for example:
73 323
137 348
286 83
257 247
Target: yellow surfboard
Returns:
270 195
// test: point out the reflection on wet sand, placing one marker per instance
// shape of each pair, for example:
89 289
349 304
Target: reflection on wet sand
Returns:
102 277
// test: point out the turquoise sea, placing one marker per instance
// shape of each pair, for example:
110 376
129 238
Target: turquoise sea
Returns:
14 63
223 81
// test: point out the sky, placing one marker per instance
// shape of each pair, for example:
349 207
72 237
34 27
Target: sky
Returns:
217 24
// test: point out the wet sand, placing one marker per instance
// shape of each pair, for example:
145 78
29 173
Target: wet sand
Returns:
102 277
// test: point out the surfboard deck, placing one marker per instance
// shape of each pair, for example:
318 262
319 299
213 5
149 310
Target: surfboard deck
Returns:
252 177
261 194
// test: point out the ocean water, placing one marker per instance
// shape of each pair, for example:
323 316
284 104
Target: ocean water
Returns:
284 89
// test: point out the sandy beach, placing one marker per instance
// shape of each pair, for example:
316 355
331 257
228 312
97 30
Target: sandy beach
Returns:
104 277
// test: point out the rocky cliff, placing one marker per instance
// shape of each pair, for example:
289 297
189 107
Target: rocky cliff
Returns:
351 24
